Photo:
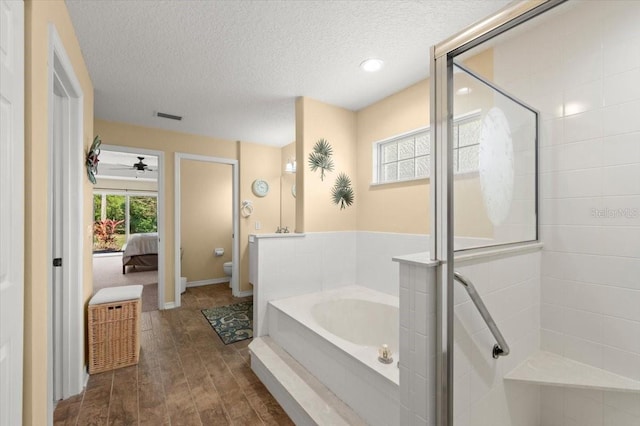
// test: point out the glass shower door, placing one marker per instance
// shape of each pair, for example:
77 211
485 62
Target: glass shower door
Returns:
555 257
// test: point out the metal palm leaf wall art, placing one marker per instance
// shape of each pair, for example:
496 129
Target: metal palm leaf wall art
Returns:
342 193
92 159
320 158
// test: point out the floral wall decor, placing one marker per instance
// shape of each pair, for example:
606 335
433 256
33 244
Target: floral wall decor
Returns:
320 157
342 193
92 159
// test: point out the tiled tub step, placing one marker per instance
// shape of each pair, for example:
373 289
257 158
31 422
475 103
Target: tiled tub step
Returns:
303 397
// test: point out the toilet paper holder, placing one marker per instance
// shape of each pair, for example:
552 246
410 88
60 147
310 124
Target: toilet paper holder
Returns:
218 252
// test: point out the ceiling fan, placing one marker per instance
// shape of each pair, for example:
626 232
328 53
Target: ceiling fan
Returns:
140 167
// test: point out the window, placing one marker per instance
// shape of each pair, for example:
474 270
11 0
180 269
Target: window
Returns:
117 215
466 145
408 157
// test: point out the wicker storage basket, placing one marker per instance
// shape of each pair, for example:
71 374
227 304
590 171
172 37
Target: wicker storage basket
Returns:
114 335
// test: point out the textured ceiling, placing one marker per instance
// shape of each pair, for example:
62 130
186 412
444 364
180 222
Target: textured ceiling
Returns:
234 68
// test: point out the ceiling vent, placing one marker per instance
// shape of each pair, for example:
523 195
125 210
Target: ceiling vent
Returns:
169 116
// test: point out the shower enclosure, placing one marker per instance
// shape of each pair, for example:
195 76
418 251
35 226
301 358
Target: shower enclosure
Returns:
536 170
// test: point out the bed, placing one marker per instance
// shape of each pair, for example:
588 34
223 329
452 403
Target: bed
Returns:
140 250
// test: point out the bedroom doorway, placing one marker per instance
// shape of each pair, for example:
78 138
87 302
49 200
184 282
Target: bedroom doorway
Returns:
206 222
128 222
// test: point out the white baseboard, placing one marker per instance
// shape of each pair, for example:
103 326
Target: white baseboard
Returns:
244 293
170 305
200 283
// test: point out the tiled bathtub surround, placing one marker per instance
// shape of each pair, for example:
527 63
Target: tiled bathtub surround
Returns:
286 266
343 356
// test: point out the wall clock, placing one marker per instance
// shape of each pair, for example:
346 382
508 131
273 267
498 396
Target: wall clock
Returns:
260 187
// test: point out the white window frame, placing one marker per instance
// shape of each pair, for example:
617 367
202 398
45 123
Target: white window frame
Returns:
377 148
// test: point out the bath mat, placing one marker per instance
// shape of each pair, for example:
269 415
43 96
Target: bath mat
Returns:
233 323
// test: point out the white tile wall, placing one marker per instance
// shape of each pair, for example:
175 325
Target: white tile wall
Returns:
292 266
589 96
375 269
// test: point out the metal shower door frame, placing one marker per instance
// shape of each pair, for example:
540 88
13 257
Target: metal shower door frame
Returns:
441 111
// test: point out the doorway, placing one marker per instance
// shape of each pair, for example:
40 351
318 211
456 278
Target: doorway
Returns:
128 240
213 251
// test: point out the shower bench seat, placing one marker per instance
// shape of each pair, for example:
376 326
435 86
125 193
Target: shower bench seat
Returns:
546 368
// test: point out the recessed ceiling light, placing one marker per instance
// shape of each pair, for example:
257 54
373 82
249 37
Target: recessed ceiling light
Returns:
463 91
372 65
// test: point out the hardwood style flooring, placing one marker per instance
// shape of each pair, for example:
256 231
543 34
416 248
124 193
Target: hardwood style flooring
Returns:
185 376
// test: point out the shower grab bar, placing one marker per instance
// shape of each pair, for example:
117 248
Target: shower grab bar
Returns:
501 348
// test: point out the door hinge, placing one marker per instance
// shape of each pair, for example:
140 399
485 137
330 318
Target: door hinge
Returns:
57 262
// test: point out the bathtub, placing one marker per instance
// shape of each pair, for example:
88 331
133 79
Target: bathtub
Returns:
335 335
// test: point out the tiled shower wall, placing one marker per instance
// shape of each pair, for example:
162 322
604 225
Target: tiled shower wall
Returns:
510 288
581 69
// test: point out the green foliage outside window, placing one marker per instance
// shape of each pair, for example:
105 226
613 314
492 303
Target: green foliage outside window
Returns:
109 234
143 215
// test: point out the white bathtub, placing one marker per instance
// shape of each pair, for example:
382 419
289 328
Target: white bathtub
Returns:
335 335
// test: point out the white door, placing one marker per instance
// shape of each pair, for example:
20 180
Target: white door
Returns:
57 240
11 209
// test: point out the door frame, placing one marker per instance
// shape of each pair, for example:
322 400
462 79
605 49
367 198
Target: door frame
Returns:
12 228
235 251
61 72
161 214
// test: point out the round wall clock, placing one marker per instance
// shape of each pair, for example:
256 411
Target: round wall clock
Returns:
260 187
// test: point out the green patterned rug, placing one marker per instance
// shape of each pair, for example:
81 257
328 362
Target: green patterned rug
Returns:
233 323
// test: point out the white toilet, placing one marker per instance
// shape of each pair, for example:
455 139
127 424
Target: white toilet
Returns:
228 268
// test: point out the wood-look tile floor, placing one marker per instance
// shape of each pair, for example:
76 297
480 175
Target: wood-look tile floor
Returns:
185 376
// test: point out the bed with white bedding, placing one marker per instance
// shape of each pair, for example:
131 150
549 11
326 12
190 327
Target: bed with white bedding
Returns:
140 250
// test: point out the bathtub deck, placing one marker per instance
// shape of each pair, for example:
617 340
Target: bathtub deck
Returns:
304 398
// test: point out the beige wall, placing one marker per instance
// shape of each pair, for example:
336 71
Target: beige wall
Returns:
258 162
206 218
125 185
38 16
121 134
315 212
287 200
399 207
470 216
404 207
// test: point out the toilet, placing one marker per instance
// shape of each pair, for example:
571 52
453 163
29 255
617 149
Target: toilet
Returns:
228 267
